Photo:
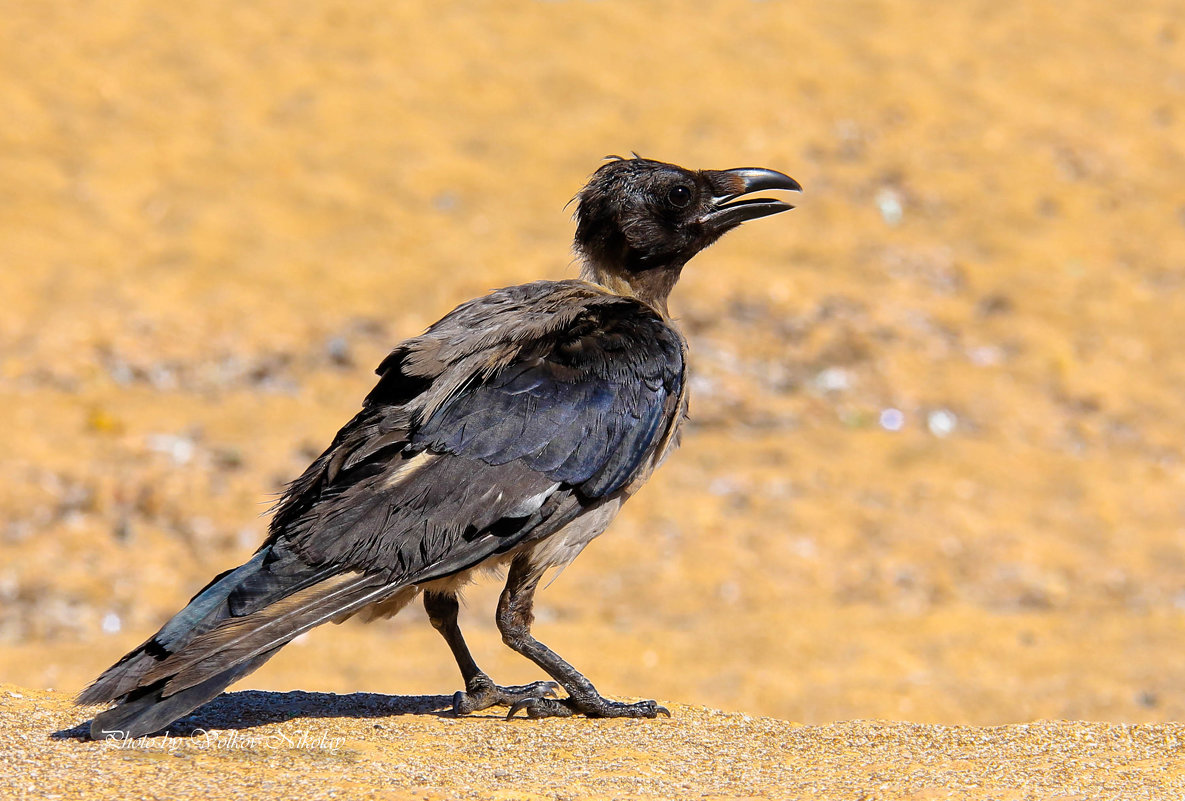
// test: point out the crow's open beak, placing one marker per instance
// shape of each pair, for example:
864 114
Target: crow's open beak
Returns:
727 211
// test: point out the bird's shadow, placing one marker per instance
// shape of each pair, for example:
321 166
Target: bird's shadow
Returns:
249 708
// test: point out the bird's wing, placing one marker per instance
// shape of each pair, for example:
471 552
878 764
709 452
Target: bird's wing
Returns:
426 482
504 421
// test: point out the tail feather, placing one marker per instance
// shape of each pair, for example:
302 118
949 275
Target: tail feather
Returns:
201 614
243 616
335 597
242 638
232 626
148 710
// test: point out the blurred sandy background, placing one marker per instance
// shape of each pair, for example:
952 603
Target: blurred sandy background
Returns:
215 220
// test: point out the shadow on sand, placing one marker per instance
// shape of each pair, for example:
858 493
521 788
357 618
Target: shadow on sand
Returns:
248 708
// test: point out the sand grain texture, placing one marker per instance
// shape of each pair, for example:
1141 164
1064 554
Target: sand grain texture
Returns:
320 745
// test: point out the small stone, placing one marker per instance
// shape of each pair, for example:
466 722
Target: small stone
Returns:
833 379
892 419
111 623
888 202
942 422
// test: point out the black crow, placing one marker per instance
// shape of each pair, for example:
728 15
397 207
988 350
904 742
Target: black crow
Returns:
508 434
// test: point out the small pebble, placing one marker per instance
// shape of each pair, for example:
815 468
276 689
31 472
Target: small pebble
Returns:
888 202
942 422
111 623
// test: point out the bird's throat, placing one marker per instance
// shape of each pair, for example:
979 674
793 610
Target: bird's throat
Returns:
651 286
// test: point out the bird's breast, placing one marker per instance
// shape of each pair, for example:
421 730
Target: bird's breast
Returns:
566 544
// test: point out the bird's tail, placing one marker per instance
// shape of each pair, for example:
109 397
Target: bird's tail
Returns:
231 627
148 709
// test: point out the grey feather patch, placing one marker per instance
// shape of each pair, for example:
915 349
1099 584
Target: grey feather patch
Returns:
181 625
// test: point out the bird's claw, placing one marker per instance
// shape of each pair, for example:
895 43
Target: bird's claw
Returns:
599 708
536 689
644 709
483 694
542 708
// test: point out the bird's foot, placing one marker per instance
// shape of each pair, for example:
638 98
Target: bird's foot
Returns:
482 693
597 707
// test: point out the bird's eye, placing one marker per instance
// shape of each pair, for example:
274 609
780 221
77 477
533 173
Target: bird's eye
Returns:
679 196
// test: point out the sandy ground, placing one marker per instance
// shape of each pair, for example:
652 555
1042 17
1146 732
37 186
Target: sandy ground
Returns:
934 470
318 745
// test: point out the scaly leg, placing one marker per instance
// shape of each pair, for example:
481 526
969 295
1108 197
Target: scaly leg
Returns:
480 692
514 621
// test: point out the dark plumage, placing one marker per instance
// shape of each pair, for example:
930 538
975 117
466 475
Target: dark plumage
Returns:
510 432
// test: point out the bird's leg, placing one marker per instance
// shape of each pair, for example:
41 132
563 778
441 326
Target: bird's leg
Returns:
480 692
514 621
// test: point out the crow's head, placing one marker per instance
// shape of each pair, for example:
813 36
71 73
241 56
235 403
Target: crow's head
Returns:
639 221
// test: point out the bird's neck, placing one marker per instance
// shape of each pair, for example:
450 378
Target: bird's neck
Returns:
651 286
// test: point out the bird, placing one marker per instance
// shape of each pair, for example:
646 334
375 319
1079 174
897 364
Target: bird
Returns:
506 436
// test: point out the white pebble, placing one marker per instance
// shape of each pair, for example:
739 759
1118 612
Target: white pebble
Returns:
892 419
942 422
833 379
888 201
